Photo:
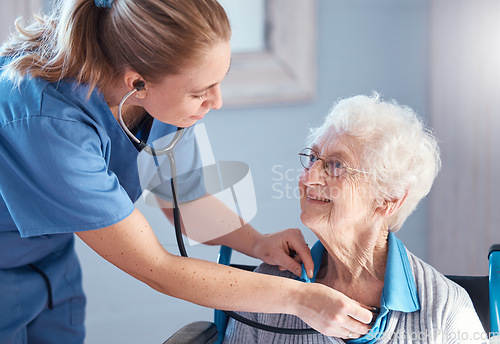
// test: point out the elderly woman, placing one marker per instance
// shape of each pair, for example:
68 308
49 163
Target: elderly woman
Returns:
367 168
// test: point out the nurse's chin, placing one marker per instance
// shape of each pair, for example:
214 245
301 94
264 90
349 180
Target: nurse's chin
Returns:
185 123
190 121
197 118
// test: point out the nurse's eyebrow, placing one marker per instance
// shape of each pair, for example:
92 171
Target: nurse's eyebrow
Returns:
209 87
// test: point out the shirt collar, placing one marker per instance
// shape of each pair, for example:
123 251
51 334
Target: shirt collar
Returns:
400 291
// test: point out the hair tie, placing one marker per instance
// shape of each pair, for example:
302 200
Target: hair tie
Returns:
103 3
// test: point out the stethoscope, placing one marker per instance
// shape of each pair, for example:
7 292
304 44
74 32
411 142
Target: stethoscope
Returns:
155 152
169 150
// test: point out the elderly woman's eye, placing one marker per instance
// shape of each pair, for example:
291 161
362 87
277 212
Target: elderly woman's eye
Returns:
336 167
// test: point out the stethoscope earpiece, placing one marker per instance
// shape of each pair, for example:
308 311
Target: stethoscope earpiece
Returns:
139 85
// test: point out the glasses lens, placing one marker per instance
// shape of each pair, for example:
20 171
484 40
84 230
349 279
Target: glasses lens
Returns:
334 166
307 157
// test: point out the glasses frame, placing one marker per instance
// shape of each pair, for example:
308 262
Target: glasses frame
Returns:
345 168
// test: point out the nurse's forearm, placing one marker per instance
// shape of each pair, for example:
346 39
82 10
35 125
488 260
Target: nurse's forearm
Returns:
218 286
132 246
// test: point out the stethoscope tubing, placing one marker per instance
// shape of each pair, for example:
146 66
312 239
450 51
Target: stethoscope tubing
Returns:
169 150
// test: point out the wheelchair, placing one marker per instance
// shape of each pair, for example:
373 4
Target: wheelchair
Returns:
483 290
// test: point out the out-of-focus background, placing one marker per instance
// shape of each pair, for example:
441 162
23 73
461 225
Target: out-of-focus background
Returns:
292 59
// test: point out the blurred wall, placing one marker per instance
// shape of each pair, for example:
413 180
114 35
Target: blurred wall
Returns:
464 111
14 9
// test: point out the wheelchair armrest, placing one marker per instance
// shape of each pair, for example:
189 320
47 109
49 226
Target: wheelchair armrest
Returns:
244 267
198 332
494 258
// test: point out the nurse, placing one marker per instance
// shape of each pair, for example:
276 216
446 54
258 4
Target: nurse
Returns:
67 167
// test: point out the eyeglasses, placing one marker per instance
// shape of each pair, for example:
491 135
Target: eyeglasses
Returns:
332 164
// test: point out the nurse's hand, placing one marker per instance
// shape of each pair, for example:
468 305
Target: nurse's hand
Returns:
331 312
287 249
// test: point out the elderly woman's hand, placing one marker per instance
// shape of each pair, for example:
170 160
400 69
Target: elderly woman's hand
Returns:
287 249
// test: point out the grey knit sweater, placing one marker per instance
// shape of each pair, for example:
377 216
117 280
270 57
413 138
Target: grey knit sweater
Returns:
446 315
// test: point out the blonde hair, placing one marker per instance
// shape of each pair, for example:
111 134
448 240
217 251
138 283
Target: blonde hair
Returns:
93 45
397 149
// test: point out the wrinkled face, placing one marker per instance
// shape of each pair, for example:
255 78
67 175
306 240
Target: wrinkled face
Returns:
186 97
336 205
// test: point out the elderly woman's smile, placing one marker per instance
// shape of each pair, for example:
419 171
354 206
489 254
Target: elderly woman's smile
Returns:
311 197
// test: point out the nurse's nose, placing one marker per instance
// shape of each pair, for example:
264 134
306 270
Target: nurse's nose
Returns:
216 99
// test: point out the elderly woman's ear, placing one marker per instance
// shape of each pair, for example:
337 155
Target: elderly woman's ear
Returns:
388 208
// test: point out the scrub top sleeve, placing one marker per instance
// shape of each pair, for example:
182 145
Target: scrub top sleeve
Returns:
57 177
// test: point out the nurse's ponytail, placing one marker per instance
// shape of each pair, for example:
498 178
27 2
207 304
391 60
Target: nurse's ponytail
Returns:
93 44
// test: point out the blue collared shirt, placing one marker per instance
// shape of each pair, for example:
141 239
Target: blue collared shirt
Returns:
399 292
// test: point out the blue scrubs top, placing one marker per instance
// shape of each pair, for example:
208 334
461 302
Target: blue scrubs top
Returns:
399 292
66 166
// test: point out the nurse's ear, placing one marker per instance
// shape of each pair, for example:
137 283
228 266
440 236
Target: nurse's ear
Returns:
134 80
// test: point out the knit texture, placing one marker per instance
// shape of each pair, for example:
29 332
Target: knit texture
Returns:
446 316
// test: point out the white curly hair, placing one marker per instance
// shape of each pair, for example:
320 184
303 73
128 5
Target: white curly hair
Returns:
398 149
